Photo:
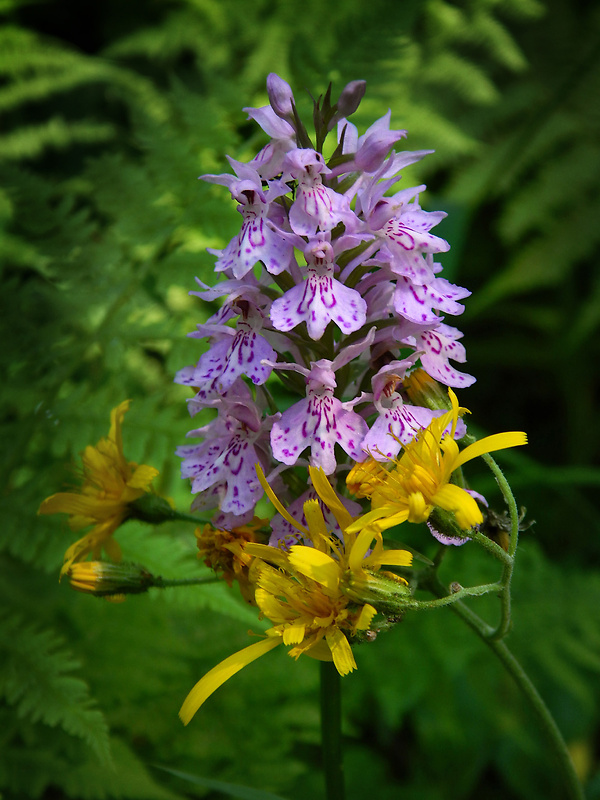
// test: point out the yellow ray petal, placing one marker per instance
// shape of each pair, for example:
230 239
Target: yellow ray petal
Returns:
497 441
365 617
395 558
275 500
325 491
316 565
466 510
343 658
221 673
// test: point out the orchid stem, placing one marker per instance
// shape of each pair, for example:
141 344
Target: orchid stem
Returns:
331 731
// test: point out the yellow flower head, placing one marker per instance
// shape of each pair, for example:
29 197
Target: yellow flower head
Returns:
302 592
223 552
110 484
419 480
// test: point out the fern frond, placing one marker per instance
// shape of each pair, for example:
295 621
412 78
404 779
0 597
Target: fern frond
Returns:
35 678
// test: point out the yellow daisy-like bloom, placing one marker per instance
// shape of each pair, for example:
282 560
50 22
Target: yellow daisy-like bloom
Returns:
419 480
302 591
110 484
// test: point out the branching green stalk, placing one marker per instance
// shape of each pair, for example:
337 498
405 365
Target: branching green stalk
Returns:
573 788
464 591
331 731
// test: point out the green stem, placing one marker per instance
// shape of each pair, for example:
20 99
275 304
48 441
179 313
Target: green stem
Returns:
165 583
467 591
505 597
183 517
574 790
331 731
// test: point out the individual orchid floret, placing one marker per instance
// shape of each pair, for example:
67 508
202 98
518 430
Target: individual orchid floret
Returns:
370 149
397 422
438 346
233 353
256 241
420 303
316 207
269 160
320 420
232 444
320 299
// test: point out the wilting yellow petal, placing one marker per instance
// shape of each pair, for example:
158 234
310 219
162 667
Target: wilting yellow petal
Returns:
142 477
221 673
316 565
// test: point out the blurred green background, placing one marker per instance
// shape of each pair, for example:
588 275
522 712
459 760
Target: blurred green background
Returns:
108 113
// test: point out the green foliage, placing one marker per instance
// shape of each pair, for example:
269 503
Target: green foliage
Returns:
103 228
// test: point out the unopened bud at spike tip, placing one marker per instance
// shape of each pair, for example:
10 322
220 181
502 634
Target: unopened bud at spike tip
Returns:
281 96
350 98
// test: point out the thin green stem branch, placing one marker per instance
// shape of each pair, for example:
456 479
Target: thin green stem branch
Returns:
165 583
562 758
448 599
331 731
505 597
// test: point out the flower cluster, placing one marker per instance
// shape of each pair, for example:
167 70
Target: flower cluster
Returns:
331 285
333 308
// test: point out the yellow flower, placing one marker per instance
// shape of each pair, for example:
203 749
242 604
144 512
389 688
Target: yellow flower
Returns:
303 591
223 551
419 480
110 485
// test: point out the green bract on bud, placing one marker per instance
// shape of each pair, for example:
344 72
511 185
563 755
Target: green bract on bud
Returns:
350 98
445 526
104 579
384 590
423 390
153 509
